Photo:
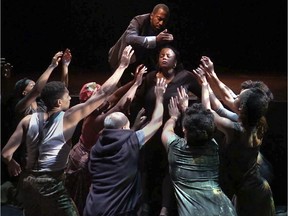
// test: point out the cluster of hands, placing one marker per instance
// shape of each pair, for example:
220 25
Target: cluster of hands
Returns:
65 56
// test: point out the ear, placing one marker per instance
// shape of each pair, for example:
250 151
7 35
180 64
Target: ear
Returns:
151 16
175 65
24 93
59 103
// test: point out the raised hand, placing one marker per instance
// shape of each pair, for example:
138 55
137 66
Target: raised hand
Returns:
164 36
173 108
200 76
140 120
126 56
66 58
140 70
183 98
207 66
160 87
56 58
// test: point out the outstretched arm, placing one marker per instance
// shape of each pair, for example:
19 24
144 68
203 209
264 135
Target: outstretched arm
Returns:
80 111
125 101
223 124
66 59
226 94
168 129
157 117
12 145
39 85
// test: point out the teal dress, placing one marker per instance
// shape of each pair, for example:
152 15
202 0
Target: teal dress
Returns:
194 172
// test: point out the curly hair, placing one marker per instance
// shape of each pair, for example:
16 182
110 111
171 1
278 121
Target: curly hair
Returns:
248 84
199 124
253 106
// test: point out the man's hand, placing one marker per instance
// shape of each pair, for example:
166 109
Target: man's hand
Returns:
164 36
14 168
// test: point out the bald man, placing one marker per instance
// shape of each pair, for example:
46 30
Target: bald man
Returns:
116 186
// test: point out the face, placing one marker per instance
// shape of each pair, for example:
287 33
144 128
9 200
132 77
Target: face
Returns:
238 99
29 87
167 59
158 19
65 100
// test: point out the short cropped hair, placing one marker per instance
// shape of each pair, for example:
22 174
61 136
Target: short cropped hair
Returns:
162 6
115 120
52 92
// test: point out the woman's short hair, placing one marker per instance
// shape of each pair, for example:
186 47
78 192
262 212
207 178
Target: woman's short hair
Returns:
199 124
253 106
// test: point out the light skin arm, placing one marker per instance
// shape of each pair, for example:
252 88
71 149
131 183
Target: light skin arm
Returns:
125 101
183 98
80 111
223 124
12 145
117 95
157 117
66 59
168 129
224 91
39 85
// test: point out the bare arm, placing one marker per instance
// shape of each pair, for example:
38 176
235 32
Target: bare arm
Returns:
125 101
80 111
168 129
223 124
12 145
66 59
157 117
39 85
226 94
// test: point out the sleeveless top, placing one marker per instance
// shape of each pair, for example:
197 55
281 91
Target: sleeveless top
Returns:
53 151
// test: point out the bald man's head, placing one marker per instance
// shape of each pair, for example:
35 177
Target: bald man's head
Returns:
116 120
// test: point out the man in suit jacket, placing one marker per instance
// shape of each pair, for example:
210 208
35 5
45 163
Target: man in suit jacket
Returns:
144 33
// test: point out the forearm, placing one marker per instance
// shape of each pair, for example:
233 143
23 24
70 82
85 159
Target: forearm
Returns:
157 116
116 96
205 96
64 75
42 80
215 103
225 93
111 83
170 124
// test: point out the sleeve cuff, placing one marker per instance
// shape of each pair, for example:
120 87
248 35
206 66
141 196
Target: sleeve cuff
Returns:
150 42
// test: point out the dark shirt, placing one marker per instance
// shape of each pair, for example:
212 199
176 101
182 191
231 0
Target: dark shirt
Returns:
116 187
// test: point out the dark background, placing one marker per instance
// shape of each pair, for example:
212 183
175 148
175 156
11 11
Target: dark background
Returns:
248 35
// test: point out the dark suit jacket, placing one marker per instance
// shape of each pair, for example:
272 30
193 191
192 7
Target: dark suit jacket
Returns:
135 35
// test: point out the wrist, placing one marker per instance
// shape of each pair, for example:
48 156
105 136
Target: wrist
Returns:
175 118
